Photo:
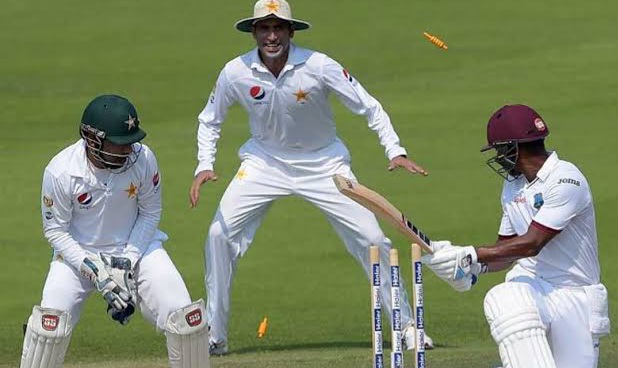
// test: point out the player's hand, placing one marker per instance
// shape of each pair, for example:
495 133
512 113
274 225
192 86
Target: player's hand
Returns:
451 262
201 178
94 268
121 272
411 166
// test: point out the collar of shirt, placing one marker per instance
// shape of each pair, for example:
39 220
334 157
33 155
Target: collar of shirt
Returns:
548 166
296 56
78 163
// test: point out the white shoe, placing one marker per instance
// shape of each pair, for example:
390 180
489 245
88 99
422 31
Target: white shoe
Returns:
428 342
409 339
217 349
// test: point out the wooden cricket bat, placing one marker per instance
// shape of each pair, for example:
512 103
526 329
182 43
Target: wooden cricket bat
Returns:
382 208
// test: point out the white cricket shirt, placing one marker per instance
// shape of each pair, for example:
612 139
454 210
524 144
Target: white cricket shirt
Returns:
558 201
291 113
88 209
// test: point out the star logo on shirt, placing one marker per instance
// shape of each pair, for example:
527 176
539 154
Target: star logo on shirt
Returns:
301 96
131 191
272 6
130 122
241 174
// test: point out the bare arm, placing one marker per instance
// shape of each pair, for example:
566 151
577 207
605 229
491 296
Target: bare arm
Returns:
499 266
507 251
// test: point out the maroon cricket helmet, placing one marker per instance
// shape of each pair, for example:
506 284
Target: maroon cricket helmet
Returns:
515 123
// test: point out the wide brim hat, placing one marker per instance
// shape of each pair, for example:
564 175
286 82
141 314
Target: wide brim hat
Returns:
271 9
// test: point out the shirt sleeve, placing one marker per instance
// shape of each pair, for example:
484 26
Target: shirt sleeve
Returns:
561 203
210 120
149 211
353 96
57 211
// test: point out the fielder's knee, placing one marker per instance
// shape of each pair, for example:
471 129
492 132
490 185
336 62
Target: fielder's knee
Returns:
187 337
47 338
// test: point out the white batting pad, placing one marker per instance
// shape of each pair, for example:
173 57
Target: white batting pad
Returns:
516 326
47 338
187 337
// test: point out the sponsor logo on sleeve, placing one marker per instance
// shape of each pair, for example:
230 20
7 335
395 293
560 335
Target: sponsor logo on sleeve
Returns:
48 201
49 215
155 179
194 318
348 76
49 322
211 98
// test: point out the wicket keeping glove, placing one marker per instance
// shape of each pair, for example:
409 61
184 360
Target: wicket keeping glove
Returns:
95 269
121 272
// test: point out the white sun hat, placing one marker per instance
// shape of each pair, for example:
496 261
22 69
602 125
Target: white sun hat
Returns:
271 8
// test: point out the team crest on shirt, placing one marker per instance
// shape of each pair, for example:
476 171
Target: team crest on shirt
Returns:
301 96
257 92
131 190
538 200
348 76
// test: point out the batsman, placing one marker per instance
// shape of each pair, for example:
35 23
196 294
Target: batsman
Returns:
552 308
101 206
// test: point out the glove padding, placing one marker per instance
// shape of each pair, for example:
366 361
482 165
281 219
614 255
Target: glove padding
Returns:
114 283
456 265
120 270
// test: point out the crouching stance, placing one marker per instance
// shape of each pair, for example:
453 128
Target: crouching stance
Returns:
101 206
552 308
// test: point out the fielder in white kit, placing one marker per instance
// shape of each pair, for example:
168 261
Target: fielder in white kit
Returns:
101 206
552 309
293 150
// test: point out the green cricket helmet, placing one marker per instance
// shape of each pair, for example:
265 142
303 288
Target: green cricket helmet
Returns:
113 119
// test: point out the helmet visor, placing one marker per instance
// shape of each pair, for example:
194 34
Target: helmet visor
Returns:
505 160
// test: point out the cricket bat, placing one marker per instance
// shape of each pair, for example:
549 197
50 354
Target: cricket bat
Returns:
382 208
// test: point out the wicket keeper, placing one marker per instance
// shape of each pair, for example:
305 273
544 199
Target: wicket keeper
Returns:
101 206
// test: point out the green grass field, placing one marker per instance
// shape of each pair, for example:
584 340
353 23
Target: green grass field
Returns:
558 56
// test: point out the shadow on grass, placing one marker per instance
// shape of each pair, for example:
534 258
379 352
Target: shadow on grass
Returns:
319 345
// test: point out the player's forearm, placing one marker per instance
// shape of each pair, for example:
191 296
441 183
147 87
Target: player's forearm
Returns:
498 266
64 244
509 250
141 235
207 137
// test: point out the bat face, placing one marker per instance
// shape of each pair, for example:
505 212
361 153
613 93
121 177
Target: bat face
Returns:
382 208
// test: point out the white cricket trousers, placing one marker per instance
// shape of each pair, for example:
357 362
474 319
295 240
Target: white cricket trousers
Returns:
261 179
160 288
565 312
